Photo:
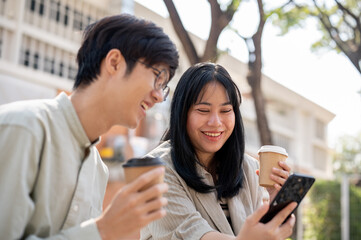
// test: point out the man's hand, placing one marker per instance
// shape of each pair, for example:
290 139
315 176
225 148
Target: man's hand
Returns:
130 209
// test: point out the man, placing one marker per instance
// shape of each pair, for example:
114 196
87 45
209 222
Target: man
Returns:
52 180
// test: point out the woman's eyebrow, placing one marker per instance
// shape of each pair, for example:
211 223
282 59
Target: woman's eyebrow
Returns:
203 103
226 103
208 104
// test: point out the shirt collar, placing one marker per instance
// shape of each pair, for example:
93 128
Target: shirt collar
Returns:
73 121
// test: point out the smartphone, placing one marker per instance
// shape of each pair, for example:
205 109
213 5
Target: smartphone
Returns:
294 189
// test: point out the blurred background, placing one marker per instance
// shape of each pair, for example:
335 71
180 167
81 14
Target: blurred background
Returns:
297 64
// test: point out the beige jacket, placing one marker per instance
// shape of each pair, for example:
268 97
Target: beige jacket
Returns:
191 214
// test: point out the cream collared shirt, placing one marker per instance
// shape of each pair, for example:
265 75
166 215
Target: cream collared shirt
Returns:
52 180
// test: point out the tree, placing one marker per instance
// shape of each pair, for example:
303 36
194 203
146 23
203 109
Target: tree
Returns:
339 21
323 214
254 76
220 20
347 157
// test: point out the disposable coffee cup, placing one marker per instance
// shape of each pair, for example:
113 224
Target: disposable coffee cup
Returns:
269 156
137 166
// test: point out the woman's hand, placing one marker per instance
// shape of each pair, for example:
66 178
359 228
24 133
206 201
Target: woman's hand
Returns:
274 229
279 176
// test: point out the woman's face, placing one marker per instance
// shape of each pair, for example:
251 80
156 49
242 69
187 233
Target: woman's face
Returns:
210 121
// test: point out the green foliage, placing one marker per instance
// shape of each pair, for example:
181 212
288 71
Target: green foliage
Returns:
323 216
233 6
229 6
324 212
287 18
355 218
329 16
347 156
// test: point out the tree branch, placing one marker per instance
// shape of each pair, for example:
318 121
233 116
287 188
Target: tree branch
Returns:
182 33
332 31
347 11
220 20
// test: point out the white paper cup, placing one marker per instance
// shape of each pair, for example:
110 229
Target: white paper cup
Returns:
269 156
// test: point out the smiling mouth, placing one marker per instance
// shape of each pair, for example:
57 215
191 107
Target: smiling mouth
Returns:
144 106
212 134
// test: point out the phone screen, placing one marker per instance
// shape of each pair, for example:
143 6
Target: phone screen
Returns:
294 190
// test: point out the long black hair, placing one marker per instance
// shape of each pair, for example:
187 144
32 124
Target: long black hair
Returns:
229 158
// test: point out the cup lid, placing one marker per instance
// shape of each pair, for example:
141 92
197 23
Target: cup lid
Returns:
145 161
273 148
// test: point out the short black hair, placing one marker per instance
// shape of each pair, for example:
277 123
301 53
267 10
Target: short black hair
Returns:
229 158
134 37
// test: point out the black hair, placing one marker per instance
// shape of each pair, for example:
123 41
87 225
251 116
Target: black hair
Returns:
229 158
134 37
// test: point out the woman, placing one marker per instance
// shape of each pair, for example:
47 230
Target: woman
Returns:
213 186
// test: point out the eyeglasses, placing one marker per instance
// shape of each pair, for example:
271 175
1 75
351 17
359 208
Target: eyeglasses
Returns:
161 80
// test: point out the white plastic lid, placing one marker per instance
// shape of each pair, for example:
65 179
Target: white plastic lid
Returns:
272 148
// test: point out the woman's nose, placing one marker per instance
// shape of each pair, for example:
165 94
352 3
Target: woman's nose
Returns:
214 120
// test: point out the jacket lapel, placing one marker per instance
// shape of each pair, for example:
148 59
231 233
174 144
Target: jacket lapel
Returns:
242 205
210 204
237 213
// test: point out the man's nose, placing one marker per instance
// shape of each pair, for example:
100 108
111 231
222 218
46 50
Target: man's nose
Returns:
158 95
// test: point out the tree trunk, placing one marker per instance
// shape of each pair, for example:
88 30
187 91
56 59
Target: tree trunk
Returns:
220 20
254 78
259 104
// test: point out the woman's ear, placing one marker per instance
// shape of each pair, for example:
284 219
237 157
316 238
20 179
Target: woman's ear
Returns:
114 62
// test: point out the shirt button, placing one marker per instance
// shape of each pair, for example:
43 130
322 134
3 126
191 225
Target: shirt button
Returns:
76 208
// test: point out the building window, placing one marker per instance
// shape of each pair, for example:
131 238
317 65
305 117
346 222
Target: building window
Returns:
57 12
36 61
89 20
32 5
320 129
37 6
47 65
54 10
78 24
72 73
320 158
41 7
66 15
26 61
52 66
61 69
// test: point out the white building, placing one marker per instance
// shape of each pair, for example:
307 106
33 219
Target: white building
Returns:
39 40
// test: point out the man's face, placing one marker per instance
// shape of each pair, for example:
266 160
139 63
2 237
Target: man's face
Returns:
137 93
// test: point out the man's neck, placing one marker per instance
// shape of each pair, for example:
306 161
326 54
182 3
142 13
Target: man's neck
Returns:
88 107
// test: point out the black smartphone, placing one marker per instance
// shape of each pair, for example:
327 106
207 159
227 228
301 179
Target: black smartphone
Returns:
294 189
